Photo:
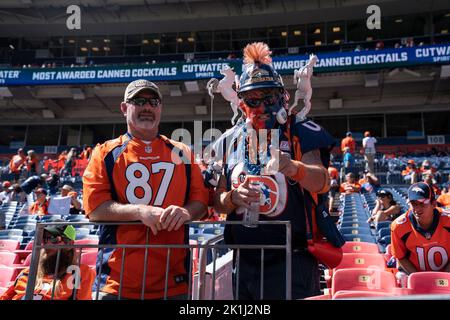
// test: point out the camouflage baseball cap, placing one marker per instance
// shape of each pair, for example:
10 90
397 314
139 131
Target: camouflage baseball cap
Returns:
137 86
67 231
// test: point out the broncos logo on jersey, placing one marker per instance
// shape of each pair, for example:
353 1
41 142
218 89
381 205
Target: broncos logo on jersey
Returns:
273 189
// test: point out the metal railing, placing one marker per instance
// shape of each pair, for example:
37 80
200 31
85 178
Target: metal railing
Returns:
203 247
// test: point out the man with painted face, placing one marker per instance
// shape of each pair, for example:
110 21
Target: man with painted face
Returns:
290 168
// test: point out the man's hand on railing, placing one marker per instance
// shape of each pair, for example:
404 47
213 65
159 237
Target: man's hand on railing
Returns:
174 217
150 216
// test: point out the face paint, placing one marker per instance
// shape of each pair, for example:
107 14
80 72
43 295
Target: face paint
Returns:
261 107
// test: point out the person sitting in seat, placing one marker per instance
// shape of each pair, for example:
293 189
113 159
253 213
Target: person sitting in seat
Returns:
66 281
386 209
75 205
40 207
410 173
369 182
350 185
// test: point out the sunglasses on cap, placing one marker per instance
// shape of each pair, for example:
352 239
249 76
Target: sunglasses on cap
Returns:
154 102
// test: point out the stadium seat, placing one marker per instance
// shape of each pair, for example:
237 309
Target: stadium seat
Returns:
11 232
361 260
361 294
9 245
215 231
383 224
429 282
362 279
27 261
8 258
49 218
385 240
360 238
89 258
383 232
77 218
355 231
200 237
16 238
82 233
7 274
359 247
24 219
321 297
26 227
86 241
354 224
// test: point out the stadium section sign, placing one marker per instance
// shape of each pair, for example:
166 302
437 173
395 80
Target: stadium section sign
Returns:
327 62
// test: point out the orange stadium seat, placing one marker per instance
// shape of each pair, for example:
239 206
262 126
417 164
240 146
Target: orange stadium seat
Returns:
361 294
362 260
86 242
360 247
89 258
9 245
8 258
7 274
429 282
362 279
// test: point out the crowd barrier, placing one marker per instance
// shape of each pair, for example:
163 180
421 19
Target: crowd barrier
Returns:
201 282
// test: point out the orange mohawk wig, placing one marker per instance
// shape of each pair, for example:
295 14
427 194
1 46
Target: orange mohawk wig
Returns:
257 52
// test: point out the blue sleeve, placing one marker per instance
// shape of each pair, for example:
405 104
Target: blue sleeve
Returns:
312 136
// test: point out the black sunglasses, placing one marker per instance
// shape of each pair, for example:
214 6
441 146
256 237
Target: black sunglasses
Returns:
256 102
56 239
154 102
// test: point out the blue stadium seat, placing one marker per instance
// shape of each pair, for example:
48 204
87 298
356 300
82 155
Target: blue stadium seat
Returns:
384 232
11 232
25 219
355 216
77 217
26 227
82 233
360 238
385 240
215 231
383 224
354 220
353 224
11 237
355 231
49 218
200 237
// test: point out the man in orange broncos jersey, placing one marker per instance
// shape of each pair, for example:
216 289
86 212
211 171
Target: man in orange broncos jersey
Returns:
143 176
421 236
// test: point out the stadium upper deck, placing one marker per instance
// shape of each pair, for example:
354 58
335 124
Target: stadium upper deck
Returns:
354 96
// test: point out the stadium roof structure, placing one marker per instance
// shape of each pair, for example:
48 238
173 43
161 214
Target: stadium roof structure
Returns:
140 16
415 89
